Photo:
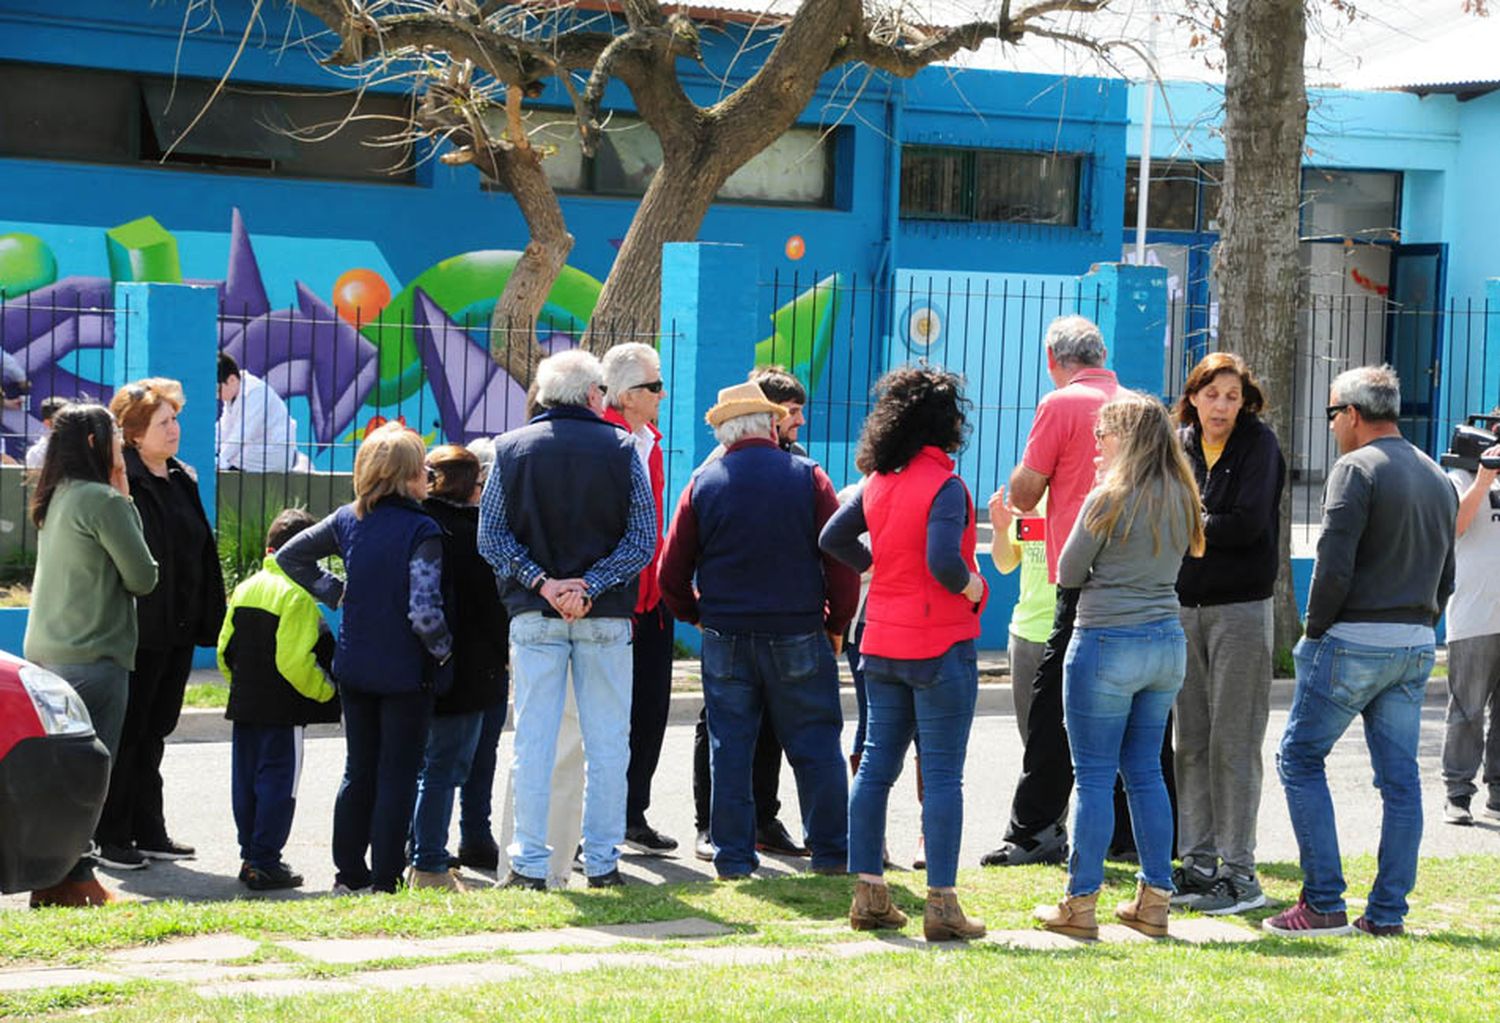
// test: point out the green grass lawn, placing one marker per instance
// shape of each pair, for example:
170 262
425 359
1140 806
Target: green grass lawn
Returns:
1448 969
206 694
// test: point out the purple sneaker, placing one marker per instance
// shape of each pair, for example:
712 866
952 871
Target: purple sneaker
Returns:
1366 926
1302 921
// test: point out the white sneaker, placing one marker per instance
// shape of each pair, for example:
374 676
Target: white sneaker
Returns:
340 889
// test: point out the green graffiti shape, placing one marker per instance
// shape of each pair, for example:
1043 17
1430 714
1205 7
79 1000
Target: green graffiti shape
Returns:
26 263
802 331
143 250
465 286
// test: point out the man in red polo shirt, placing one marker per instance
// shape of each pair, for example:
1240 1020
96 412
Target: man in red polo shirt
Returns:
1059 463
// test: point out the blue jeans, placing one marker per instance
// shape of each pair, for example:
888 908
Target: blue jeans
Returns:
1118 687
938 714
542 650
1336 680
477 794
384 736
451 740
795 681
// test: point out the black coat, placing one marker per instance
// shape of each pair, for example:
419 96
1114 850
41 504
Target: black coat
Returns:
1241 501
168 618
476 617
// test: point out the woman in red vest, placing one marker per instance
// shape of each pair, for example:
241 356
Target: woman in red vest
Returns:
921 620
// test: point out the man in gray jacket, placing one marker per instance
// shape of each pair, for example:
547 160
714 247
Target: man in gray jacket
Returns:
1384 568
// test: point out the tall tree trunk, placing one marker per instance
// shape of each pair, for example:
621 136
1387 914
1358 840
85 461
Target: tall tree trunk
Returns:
1258 268
672 210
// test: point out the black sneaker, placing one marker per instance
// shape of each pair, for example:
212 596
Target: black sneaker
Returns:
1050 847
532 884
1456 811
272 878
165 849
610 880
1190 881
1230 894
479 857
120 857
645 839
772 837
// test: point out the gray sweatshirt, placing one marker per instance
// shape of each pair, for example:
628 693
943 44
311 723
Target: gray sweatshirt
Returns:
1123 581
1386 552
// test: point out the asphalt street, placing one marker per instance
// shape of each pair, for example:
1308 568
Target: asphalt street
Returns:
198 804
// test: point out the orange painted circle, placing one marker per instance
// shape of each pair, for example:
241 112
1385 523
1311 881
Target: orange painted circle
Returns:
360 294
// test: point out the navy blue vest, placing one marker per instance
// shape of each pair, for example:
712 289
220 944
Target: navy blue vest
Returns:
759 568
567 499
377 650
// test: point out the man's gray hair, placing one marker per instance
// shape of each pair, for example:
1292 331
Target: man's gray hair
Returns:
1075 341
629 365
565 378
1376 390
753 424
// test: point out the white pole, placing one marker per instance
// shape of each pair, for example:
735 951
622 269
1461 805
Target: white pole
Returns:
1143 189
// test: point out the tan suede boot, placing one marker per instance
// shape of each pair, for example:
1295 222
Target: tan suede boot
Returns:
447 880
1073 916
944 919
1147 912
872 909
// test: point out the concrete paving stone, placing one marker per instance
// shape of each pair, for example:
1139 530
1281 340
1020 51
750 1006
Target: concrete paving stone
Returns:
441 975
207 948
518 941
666 930
1037 940
578 962
1120 934
737 955
1206 930
200 973
874 946
285 987
356 950
61 976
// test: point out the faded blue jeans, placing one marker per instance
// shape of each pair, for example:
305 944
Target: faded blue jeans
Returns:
1337 680
541 650
451 741
1118 687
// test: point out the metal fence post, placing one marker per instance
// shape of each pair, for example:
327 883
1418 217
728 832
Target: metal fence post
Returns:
1133 319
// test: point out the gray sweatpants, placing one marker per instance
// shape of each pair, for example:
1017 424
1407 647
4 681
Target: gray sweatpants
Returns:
1025 657
1473 683
1221 728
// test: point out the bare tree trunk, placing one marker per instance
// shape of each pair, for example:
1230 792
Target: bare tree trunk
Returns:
671 211
1258 269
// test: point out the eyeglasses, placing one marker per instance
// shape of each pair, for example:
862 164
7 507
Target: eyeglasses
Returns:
654 387
1100 433
1334 410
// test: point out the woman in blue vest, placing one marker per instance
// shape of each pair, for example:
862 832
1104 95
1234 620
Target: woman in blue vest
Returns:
1124 665
393 650
921 620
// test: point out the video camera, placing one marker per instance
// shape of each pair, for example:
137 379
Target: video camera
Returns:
1470 439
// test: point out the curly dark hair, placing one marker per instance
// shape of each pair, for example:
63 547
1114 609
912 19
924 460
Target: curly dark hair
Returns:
915 406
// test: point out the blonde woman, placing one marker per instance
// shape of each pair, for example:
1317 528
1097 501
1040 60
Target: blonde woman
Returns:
1125 663
394 648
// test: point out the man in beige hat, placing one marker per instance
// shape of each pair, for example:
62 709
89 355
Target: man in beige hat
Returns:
771 607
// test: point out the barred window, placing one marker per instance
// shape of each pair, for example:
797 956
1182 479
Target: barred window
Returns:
945 183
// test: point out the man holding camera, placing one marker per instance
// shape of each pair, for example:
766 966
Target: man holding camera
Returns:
1474 639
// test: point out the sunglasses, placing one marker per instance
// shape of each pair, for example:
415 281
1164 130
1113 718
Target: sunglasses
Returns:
655 387
1332 411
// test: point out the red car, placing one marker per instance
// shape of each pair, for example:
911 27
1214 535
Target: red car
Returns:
54 773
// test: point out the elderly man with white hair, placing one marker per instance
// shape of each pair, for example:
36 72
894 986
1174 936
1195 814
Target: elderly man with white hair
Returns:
633 392
773 610
567 522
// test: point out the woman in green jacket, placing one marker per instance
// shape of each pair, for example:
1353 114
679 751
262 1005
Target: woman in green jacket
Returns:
92 562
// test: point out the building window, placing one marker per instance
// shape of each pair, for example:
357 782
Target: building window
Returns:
1184 196
942 183
796 169
1364 205
64 113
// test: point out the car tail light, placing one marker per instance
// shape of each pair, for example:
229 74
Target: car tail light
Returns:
60 710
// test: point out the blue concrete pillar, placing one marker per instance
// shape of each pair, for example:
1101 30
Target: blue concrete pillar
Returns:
1133 318
708 335
172 330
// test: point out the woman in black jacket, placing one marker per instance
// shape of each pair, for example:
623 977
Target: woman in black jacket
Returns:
480 630
185 609
1226 614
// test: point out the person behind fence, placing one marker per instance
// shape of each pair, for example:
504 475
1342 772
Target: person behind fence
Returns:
1383 569
1058 462
634 392
1126 659
480 629
394 653
771 836
567 522
185 609
921 620
773 610
92 562
255 431
276 653
1473 633
38 450
1225 595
